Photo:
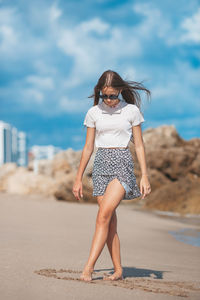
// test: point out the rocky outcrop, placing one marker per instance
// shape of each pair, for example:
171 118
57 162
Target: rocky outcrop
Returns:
54 177
182 195
24 182
174 169
173 165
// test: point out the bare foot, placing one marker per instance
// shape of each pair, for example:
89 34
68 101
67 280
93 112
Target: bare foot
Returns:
86 274
117 275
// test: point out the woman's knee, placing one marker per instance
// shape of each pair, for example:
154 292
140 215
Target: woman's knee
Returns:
99 199
103 216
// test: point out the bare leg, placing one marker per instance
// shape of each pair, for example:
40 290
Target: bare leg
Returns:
111 199
113 244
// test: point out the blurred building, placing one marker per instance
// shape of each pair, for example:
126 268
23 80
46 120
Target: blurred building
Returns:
13 145
42 152
22 149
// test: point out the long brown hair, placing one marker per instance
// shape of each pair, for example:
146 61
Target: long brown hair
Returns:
129 89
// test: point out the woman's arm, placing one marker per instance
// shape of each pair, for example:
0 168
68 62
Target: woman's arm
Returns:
87 152
140 152
139 148
85 157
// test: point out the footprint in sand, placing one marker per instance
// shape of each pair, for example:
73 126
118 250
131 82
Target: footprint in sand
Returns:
174 288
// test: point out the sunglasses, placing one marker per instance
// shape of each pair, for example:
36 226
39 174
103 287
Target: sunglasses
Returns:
111 97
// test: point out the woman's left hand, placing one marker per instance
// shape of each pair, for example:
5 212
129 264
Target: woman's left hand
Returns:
145 187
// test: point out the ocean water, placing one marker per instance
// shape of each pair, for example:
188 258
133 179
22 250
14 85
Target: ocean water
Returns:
187 235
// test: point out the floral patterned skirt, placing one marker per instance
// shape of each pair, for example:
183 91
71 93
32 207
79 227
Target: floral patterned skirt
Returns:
110 163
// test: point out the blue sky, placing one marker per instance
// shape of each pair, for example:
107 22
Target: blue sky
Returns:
53 52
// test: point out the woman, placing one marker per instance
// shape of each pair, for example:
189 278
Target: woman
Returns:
111 124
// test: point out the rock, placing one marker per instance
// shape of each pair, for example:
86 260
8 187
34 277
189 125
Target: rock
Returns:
64 189
157 179
164 136
45 167
5 171
173 161
69 155
25 182
60 166
180 196
195 166
63 162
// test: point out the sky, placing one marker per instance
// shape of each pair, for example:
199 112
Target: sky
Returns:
52 54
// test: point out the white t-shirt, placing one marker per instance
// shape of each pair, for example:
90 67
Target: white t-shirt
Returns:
113 124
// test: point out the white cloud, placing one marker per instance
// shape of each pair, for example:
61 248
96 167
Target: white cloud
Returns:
70 105
9 35
77 138
32 96
17 40
191 27
8 15
54 13
8 38
176 92
92 54
129 72
154 22
40 82
96 25
42 68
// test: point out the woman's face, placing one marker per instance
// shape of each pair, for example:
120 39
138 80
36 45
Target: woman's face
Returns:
110 91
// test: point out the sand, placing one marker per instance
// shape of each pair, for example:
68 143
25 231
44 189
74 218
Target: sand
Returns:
45 244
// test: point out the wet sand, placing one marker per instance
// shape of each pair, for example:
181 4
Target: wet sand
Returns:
45 244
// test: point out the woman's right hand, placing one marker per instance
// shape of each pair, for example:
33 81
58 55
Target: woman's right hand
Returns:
78 189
